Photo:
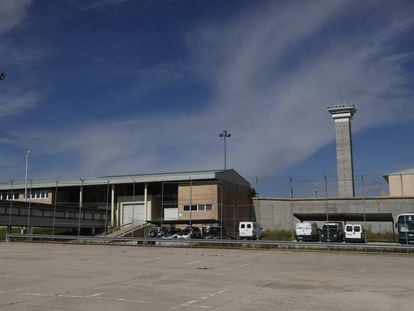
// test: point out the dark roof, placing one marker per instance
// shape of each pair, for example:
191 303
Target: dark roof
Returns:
345 217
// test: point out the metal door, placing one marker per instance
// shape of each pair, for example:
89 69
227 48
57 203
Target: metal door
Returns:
133 214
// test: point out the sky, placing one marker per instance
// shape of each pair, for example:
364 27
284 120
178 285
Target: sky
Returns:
109 87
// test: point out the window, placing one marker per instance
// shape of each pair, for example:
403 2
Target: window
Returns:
198 207
357 229
7 196
48 213
242 226
60 214
249 226
38 213
88 215
39 194
348 228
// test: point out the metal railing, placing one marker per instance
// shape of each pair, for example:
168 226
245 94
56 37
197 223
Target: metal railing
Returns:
230 243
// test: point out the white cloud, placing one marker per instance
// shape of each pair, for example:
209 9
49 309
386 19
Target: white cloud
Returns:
11 104
97 4
272 73
12 12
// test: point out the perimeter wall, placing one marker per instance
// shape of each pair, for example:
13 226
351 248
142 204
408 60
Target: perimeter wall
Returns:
277 213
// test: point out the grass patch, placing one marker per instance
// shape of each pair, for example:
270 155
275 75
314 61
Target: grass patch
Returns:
58 231
277 235
3 231
380 237
36 230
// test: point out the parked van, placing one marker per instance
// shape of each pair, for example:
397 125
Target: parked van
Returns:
354 233
332 232
249 230
306 231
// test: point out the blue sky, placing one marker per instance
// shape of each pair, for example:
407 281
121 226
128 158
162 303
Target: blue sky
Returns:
115 87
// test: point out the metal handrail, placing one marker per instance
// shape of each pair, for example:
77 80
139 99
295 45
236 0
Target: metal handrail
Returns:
191 242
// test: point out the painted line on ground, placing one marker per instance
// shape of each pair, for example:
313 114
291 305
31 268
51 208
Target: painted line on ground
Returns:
193 262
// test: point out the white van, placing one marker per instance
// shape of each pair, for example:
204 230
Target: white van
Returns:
306 231
249 230
354 233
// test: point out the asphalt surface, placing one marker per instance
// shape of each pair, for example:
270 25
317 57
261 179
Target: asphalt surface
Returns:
35 276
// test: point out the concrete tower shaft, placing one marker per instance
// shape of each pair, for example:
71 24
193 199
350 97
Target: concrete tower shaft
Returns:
342 116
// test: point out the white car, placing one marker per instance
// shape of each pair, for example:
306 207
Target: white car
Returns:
249 230
354 233
190 233
306 231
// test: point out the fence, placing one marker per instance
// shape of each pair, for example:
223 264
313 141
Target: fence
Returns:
75 209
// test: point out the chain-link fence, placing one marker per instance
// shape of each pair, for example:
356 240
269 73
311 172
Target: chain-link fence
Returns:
316 186
78 208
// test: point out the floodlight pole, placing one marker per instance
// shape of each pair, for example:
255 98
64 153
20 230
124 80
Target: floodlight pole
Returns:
224 134
26 175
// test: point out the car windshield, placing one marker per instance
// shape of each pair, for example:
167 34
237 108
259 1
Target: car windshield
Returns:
330 227
172 232
213 230
406 223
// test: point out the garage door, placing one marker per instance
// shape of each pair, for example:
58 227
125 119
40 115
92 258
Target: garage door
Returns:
133 214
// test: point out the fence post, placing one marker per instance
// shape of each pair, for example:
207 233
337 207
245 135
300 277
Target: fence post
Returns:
54 208
10 209
291 207
80 207
363 204
326 205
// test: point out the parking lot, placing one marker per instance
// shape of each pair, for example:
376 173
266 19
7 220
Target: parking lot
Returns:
39 276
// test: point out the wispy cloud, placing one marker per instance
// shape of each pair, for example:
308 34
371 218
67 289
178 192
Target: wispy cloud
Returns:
12 12
17 96
97 4
12 104
272 72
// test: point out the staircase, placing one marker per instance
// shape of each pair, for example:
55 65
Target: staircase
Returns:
129 230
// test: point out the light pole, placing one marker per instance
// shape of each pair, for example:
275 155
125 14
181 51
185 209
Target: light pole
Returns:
25 179
224 134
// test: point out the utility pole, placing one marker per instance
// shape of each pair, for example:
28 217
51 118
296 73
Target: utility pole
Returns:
26 175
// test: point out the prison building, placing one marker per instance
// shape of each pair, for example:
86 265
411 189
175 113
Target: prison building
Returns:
128 203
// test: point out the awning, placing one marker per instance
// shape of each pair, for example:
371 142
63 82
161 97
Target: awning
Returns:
346 217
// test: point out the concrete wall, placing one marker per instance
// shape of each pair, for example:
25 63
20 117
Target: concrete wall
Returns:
277 213
344 158
401 185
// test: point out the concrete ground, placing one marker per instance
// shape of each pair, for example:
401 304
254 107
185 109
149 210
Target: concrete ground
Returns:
86 277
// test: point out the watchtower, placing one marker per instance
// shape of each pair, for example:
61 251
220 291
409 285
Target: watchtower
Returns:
342 116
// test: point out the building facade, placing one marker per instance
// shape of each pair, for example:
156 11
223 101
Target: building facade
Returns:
401 184
194 198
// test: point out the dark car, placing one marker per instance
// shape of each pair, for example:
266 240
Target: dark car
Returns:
332 232
214 232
